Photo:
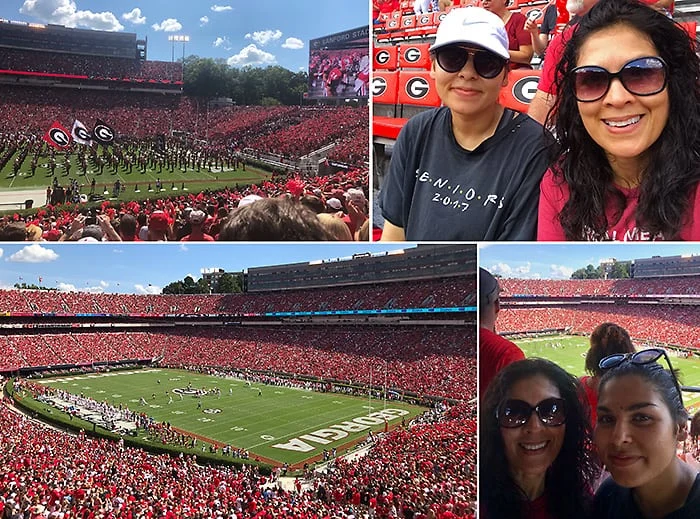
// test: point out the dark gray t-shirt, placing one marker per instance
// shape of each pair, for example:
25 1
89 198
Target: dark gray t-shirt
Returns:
436 190
615 502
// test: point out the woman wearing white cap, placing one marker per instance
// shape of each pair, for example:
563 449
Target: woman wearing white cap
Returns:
470 169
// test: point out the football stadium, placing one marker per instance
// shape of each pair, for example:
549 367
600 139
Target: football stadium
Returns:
659 305
92 126
342 387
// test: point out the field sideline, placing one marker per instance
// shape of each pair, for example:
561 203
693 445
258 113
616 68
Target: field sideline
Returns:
570 353
270 421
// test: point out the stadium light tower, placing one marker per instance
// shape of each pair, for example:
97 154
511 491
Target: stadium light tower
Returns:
173 38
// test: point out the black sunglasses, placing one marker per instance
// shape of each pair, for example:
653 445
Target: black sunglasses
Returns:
641 77
453 59
516 413
641 357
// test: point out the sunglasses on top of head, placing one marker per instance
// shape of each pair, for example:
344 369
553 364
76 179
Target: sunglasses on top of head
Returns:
453 59
642 357
516 413
641 76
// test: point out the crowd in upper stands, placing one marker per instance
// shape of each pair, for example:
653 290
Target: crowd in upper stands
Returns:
18 60
681 285
443 292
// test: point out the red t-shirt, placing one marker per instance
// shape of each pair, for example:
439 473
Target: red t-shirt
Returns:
551 60
553 196
495 353
517 36
592 397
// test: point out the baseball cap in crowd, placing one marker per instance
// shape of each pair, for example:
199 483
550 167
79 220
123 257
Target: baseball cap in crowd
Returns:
473 25
488 288
197 217
334 203
158 221
248 199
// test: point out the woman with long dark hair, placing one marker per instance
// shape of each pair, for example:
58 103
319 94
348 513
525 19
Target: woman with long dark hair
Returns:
627 121
641 421
535 453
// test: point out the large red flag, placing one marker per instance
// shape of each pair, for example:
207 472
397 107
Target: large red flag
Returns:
57 136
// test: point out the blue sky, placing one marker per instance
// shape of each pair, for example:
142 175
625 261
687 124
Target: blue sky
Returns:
271 32
535 261
141 268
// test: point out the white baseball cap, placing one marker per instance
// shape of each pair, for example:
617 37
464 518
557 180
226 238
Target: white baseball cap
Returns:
473 25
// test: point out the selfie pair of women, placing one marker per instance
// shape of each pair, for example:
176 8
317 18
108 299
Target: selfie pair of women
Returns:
540 458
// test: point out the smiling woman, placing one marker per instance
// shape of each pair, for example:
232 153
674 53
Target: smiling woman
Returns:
535 455
628 126
641 419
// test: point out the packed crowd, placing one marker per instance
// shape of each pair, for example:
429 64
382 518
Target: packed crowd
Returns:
686 285
436 361
676 325
46 473
93 67
443 292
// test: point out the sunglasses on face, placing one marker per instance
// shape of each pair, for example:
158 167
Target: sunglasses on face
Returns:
516 413
641 77
641 357
453 59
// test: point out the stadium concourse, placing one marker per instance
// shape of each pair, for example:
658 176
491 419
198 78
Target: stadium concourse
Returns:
315 154
424 335
661 310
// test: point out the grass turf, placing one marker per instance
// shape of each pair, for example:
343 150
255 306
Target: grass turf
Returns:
280 416
193 180
569 352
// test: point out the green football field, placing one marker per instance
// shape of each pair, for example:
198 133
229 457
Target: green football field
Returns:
135 183
570 353
278 423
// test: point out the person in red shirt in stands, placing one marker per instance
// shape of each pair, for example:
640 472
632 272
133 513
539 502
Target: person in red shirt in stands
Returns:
495 352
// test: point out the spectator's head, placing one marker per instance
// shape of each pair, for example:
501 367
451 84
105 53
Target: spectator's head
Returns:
273 219
15 231
91 232
534 405
333 205
474 42
607 339
335 226
635 386
34 233
313 203
197 218
489 304
358 198
127 227
158 226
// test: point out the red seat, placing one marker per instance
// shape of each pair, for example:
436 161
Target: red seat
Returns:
387 127
384 87
521 88
417 88
414 55
385 57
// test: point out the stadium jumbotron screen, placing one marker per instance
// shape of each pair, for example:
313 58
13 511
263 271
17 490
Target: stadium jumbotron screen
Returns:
339 64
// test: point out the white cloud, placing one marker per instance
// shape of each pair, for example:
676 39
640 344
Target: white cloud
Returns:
203 21
169 25
502 269
523 269
293 43
221 8
264 37
1 253
34 253
150 289
69 287
65 12
134 16
222 42
560 272
251 55
183 247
